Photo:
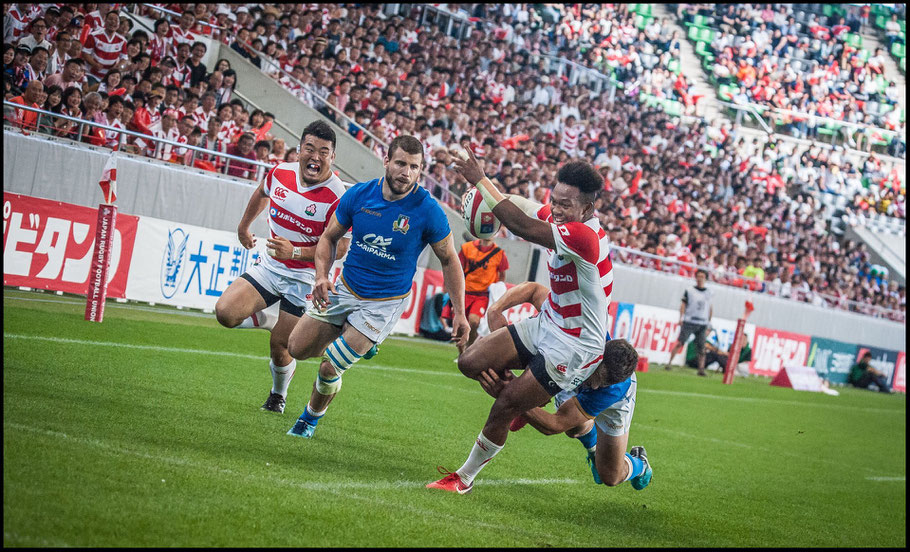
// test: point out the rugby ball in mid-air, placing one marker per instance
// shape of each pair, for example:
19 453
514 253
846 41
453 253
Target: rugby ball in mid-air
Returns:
478 217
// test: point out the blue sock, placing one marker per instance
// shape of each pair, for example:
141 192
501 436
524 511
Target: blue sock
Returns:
589 439
638 467
309 417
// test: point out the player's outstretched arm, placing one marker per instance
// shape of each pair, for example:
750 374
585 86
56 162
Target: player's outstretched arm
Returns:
257 203
567 417
453 278
525 292
324 257
522 225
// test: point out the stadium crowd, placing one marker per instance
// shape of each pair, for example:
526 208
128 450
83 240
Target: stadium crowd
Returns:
815 66
749 211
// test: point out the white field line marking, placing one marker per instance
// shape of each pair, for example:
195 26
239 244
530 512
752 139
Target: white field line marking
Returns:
904 478
340 488
432 372
20 539
171 310
159 348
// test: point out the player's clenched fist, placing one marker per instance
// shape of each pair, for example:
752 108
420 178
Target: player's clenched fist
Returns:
246 239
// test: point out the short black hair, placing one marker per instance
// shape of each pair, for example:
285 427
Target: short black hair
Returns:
619 362
409 144
581 175
703 271
321 130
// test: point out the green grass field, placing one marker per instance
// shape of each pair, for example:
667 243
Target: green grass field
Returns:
146 431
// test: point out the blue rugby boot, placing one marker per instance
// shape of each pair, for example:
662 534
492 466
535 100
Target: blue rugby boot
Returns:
642 481
374 350
302 429
594 469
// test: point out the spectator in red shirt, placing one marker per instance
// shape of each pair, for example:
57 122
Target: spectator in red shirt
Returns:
243 148
28 119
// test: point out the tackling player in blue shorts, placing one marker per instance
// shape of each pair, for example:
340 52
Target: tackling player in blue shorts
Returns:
598 413
392 219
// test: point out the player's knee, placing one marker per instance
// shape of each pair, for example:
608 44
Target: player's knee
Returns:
473 321
469 365
328 380
225 317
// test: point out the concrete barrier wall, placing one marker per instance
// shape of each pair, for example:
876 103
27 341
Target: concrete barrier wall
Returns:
65 171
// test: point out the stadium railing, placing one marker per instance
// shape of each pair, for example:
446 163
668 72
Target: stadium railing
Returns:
9 118
657 263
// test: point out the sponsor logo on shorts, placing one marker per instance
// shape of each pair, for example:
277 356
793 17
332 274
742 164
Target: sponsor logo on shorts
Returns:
614 426
370 326
561 368
280 193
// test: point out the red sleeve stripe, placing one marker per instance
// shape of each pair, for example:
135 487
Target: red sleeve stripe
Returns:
592 362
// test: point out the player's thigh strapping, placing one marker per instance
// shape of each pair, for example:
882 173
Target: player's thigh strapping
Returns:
274 287
375 319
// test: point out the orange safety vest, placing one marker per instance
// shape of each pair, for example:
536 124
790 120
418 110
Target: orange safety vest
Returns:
478 277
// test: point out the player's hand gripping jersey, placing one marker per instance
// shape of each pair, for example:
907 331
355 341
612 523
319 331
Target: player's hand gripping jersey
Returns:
298 213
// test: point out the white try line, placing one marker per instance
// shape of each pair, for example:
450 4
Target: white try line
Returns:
158 348
173 311
339 488
371 366
903 478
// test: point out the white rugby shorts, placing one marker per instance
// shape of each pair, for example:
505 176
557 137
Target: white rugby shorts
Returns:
566 363
616 419
374 318
293 290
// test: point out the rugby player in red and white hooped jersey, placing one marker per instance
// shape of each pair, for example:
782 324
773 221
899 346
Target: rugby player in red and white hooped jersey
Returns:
301 199
564 344
104 48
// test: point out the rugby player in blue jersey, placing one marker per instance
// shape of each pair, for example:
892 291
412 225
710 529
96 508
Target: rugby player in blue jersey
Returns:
598 413
392 219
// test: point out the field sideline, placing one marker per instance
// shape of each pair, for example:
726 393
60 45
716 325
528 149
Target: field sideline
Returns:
146 431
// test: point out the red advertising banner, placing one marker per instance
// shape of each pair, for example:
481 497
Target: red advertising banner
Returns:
900 373
775 349
49 245
96 293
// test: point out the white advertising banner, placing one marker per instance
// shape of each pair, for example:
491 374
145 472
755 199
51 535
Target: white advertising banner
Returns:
184 265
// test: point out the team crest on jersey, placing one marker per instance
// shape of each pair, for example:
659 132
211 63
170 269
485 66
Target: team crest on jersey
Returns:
310 210
401 225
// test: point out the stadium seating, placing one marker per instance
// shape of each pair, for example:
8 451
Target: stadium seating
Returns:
663 169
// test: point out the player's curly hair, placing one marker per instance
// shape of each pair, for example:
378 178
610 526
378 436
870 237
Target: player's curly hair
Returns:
620 360
581 175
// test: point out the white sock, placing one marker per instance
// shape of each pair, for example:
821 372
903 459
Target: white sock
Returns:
628 465
281 377
484 450
261 320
